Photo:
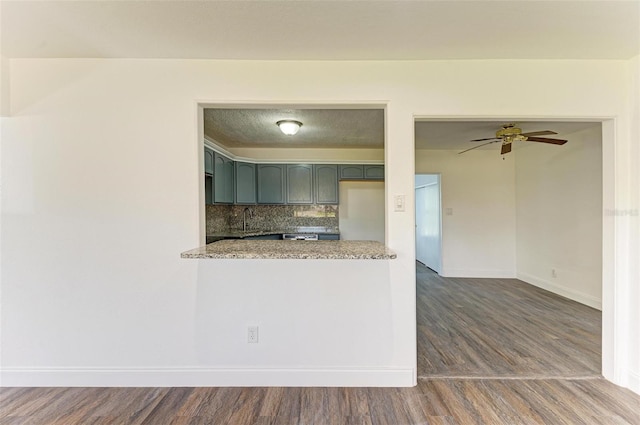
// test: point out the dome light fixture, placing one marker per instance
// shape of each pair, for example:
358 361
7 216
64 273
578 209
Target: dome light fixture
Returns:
289 127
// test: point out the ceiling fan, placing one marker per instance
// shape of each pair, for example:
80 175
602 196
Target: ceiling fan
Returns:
509 133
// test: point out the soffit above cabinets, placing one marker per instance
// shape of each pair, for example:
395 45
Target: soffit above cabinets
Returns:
321 128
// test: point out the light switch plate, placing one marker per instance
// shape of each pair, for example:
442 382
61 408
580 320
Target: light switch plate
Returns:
398 203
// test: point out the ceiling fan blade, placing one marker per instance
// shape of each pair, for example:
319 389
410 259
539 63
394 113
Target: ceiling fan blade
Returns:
539 133
482 140
506 148
546 140
479 146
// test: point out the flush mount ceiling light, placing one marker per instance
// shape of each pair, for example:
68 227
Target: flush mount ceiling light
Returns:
289 127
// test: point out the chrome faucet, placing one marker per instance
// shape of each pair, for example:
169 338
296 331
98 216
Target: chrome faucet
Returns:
244 217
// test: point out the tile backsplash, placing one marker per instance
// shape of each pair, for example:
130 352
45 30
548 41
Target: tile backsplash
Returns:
268 217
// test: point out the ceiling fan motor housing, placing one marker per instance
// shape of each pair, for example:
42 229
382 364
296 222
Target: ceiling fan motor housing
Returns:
510 133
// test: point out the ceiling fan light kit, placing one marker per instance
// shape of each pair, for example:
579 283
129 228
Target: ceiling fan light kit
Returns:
509 133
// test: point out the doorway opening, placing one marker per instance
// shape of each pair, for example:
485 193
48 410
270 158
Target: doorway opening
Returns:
428 221
515 218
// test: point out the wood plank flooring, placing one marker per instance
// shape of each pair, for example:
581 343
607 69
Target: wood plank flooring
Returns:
502 328
433 401
495 352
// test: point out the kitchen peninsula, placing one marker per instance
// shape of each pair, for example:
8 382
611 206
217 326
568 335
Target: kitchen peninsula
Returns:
287 250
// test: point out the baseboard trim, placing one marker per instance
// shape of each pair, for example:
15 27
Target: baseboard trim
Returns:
577 296
203 377
478 273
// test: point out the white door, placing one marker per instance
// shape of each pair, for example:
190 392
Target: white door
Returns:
428 225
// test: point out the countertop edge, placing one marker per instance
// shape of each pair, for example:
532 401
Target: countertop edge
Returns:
278 250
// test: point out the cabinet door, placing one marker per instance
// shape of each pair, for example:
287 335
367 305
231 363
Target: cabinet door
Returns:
326 183
208 161
246 183
351 172
223 179
299 184
208 189
271 184
374 172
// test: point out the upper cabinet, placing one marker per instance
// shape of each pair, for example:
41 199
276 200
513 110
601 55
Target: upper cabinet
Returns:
246 183
362 172
223 177
326 183
299 184
208 161
271 183
351 172
374 172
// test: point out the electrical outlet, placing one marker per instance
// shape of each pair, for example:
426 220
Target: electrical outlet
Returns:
252 334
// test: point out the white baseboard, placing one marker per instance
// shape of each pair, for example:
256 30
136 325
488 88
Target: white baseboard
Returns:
478 273
202 377
634 382
572 294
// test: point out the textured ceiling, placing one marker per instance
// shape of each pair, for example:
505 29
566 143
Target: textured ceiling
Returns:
355 128
321 30
456 135
328 128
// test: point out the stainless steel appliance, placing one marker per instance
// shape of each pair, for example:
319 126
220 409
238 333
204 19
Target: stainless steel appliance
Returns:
300 237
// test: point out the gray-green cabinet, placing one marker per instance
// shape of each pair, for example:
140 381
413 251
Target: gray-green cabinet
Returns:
299 184
325 183
208 176
246 183
223 178
374 172
351 172
271 183
361 172
208 161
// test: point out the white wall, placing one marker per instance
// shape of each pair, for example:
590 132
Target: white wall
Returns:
634 229
559 216
479 189
101 187
361 215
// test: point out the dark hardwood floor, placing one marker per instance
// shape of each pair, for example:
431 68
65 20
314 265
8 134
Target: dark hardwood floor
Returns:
491 351
503 328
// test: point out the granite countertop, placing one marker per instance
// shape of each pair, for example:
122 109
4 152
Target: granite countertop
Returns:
308 250
237 233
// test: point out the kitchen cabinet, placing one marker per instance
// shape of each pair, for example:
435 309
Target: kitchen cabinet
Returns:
223 177
299 184
246 183
208 189
374 172
208 161
328 237
362 172
351 172
271 183
326 183
208 176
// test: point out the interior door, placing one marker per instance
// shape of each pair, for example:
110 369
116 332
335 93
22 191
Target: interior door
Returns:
428 226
